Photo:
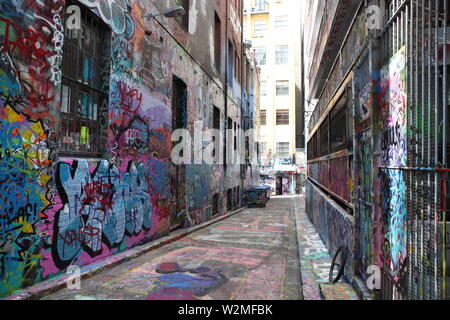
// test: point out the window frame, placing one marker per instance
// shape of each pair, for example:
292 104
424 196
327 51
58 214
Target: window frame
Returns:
282 56
286 145
261 51
281 25
281 119
90 91
263 115
261 32
183 20
282 85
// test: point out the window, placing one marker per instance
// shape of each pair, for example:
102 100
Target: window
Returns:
217 42
263 88
263 117
215 204
230 67
282 88
283 150
179 103
235 136
85 86
229 199
228 137
281 24
216 118
184 19
216 124
338 127
281 55
260 55
259 28
262 147
313 151
260 5
282 117
323 138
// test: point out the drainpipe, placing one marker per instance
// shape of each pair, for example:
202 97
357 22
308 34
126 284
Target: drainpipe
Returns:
444 155
226 93
242 101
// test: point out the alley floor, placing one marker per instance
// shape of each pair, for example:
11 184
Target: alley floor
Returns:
252 255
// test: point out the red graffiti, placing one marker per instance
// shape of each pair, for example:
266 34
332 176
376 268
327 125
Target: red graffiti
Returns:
130 98
98 192
84 235
31 47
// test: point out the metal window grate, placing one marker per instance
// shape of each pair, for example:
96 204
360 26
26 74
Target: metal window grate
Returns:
85 85
419 25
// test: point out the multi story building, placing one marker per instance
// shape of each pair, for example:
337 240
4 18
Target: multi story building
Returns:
91 93
273 28
378 141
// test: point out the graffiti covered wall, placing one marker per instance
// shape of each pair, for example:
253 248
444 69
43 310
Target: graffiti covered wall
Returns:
381 153
393 106
335 226
56 210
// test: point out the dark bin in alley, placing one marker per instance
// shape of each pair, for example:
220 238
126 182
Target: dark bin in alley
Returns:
257 196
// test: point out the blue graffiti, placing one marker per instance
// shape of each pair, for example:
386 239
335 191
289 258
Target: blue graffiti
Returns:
100 205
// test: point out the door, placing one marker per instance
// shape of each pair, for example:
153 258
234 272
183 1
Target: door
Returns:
178 177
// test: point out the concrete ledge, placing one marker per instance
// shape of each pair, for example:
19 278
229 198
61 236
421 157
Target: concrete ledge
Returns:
59 282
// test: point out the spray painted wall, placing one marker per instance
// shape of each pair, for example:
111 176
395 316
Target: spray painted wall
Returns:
393 103
335 226
381 152
58 211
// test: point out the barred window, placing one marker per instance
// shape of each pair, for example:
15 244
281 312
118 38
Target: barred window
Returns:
85 86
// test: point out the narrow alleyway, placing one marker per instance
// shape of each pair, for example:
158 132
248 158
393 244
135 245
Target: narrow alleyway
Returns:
252 255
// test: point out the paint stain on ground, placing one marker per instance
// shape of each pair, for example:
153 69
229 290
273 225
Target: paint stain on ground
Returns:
338 291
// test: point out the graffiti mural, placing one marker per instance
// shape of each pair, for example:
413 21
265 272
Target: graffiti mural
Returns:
334 225
59 209
177 283
99 203
340 177
115 13
24 162
392 100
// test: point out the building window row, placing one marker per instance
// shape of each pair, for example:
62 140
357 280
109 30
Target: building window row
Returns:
281 88
282 117
281 55
260 26
333 133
